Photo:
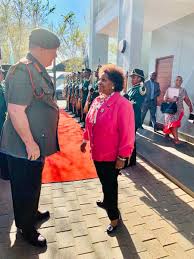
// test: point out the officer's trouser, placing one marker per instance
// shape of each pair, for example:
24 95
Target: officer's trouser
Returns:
25 177
4 172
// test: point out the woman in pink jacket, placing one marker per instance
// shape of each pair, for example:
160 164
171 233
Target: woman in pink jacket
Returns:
110 129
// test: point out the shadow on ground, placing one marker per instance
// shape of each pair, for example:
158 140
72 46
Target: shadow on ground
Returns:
167 201
12 246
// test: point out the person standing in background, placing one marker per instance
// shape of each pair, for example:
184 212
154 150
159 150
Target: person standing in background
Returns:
136 95
150 101
94 92
85 91
173 121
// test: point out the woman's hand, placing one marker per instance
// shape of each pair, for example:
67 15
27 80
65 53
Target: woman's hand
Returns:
83 147
119 164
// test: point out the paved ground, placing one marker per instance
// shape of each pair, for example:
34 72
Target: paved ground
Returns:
158 220
175 160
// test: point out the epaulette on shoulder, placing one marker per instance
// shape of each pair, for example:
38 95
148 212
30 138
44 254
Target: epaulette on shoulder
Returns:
142 90
25 61
19 65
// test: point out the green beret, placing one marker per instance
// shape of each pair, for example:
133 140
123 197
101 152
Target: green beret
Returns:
44 39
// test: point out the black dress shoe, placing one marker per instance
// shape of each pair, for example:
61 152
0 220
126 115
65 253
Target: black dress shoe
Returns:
101 204
42 216
33 237
110 229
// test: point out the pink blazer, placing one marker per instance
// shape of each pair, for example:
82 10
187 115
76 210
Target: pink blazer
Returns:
114 132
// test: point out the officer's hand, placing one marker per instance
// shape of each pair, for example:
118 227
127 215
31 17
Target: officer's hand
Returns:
33 151
119 164
83 147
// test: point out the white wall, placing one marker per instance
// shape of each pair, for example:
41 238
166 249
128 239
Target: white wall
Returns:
177 39
145 52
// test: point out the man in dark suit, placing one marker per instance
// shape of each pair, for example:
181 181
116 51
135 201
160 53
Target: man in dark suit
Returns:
150 101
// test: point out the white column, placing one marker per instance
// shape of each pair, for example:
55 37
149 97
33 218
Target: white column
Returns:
92 31
98 43
146 50
131 19
100 50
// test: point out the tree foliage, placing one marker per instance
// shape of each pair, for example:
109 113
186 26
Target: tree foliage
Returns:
17 19
73 42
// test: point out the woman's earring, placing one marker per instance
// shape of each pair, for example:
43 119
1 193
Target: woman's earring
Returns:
113 88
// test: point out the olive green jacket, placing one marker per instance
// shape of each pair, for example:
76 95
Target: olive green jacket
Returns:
28 83
136 95
3 108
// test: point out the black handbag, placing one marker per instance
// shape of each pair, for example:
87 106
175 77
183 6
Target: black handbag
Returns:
170 108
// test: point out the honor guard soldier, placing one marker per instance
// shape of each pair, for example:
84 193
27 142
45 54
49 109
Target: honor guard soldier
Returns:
69 93
30 131
136 95
77 98
66 91
73 94
94 90
85 90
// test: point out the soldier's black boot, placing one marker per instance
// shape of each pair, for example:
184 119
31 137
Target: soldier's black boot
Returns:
33 237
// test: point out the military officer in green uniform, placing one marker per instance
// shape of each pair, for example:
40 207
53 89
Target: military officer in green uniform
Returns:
30 130
136 95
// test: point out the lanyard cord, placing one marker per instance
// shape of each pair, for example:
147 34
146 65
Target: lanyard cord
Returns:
32 84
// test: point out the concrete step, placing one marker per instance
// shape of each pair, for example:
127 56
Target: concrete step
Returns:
176 162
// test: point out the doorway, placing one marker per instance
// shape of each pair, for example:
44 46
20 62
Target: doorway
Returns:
164 67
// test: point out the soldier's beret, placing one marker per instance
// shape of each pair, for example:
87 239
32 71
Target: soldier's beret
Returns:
138 72
44 39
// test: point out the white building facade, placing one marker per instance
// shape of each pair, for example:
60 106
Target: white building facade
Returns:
158 34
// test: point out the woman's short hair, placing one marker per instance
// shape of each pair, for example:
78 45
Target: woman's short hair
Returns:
115 74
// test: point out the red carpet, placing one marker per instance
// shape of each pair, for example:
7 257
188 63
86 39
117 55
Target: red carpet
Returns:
69 164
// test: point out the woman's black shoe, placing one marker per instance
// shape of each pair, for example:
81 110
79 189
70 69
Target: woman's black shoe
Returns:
33 237
101 204
110 229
